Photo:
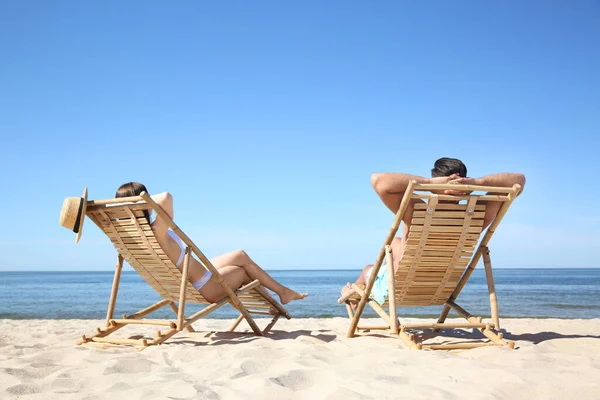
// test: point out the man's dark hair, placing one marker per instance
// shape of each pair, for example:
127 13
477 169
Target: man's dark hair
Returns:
446 166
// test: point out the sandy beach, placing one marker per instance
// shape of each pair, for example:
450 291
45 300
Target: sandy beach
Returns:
300 359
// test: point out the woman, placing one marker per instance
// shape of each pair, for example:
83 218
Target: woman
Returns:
236 267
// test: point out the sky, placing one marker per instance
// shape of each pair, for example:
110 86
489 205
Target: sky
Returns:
266 119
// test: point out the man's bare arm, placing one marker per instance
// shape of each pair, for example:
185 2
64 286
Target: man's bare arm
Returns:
390 186
505 179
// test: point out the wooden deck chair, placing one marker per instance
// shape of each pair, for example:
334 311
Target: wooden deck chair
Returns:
442 249
124 223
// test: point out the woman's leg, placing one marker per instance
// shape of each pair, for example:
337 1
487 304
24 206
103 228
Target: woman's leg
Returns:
240 259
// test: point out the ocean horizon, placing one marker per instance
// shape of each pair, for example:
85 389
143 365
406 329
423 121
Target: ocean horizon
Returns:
522 293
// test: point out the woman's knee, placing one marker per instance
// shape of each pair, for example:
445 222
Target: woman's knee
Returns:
240 254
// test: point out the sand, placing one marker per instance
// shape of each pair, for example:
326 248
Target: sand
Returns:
300 359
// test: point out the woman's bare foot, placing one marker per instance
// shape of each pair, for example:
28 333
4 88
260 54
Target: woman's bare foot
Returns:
290 295
344 291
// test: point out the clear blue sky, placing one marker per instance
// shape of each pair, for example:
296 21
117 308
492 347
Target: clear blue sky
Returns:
265 120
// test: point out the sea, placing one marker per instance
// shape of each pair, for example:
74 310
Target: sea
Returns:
521 293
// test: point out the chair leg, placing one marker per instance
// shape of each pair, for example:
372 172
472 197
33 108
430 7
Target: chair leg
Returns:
444 314
236 323
176 311
374 305
391 290
488 331
240 318
242 309
409 339
491 288
350 311
112 327
115 289
271 324
182 287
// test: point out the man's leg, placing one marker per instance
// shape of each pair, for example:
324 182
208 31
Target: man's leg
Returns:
397 250
361 280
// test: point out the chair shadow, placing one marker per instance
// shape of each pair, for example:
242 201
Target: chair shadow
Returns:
465 335
539 337
534 338
217 338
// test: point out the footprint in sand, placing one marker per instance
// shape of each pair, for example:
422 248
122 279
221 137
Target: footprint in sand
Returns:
203 392
168 361
253 367
43 364
295 380
34 373
50 358
67 385
129 366
250 367
20 390
119 386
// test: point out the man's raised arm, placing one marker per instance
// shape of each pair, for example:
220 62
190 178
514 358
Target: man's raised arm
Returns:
505 179
390 186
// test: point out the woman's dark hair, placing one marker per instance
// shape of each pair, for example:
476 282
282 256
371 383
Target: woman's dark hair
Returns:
446 166
133 189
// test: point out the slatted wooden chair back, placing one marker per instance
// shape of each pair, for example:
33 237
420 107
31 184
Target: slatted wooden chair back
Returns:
443 247
129 231
440 244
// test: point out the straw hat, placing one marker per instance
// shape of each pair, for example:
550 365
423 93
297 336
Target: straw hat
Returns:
72 213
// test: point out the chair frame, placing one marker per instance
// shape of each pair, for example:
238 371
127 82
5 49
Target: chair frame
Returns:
252 291
491 329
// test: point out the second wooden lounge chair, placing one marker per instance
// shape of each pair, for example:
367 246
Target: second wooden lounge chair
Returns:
442 249
123 221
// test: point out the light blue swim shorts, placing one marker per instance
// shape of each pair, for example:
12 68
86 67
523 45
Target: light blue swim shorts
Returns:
380 287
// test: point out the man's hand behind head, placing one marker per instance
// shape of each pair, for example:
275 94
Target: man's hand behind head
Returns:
460 181
443 179
464 181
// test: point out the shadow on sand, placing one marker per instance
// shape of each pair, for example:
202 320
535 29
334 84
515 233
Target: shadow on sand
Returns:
476 335
455 336
216 338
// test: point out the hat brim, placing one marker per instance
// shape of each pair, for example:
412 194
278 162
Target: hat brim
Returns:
82 218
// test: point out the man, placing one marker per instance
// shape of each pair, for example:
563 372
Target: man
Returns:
390 188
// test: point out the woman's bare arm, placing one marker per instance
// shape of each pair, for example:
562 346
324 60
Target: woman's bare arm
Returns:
165 201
